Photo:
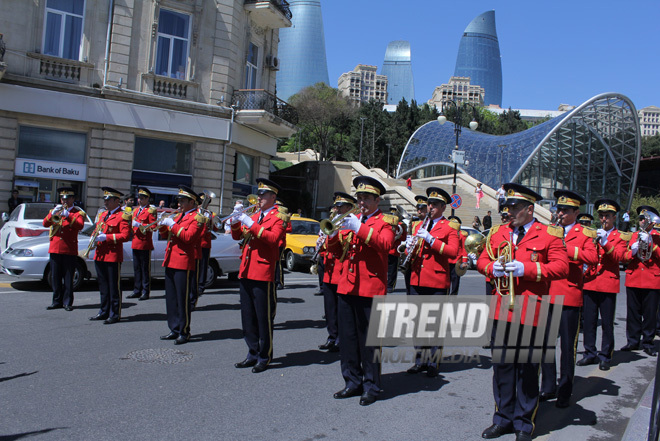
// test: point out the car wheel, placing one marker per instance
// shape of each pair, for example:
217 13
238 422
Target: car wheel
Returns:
290 260
212 274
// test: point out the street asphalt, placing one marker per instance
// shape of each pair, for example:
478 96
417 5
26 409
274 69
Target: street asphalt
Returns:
64 377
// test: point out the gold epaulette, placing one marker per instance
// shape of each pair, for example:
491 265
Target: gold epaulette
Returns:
75 209
494 230
455 225
127 214
390 219
200 218
590 232
465 233
282 210
152 209
283 215
556 231
625 235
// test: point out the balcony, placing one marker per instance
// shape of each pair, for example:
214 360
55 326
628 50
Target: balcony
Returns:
59 69
273 14
264 111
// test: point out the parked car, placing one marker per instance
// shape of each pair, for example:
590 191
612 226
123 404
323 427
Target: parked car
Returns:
300 242
26 222
29 259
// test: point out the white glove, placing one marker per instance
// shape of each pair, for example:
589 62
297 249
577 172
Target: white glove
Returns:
498 269
516 267
643 236
334 233
602 236
423 233
351 222
100 238
167 222
634 248
409 241
245 220
57 207
235 214
136 224
472 256
207 215
65 213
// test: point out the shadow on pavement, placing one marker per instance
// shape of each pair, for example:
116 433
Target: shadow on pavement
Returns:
31 286
305 358
289 300
220 334
550 418
219 307
300 324
28 434
402 383
24 374
153 317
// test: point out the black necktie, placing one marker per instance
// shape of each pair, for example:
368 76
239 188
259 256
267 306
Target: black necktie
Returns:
106 216
139 211
261 217
521 234
364 219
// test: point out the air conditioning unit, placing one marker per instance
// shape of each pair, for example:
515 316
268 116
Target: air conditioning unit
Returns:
273 62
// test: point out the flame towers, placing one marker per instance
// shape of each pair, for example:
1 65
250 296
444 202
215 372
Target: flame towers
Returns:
302 49
398 69
479 57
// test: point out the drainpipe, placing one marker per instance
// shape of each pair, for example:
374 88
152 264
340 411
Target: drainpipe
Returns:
107 43
224 152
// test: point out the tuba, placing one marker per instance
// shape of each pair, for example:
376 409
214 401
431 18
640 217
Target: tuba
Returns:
474 243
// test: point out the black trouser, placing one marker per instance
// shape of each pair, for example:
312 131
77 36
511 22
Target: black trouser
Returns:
177 299
320 270
358 366
203 270
330 307
427 356
454 280
194 286
642 305
108 275
516 386
61 270
392 268
605 303
142 272
569 327
279 273
258 302
406 279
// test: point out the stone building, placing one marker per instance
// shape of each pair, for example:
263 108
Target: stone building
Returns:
459 90
363 84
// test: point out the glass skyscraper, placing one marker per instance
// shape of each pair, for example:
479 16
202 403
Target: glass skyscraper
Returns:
479 57
398 69
302 49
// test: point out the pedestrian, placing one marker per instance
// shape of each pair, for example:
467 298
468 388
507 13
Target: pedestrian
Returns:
488 221
501 194
476 223
479 193
409 183
161 204
626 221
14 201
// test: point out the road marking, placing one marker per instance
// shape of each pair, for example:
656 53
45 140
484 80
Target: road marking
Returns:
5 285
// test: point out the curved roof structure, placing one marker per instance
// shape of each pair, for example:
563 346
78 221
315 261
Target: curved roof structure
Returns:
593 150
398 69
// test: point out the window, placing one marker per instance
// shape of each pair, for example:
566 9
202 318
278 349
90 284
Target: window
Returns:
251 67
173 43
244 169
51 145
63 30
162 156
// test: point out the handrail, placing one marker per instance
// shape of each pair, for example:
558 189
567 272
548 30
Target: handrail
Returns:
281 5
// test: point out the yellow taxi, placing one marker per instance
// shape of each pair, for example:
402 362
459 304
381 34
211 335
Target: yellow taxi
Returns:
300 242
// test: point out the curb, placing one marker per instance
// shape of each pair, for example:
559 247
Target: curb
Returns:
638 426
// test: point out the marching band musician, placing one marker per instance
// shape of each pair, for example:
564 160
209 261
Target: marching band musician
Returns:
429 267
63 246
462 256
538 256
279 273
400 235
263 232
585 219
142 245
183 233
601 285
205 244
642 283
422 211
581 251
343 203
115 230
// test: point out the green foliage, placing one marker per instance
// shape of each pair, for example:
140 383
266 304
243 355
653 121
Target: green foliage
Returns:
653 201
650 146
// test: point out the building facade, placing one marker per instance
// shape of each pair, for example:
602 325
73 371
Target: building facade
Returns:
302 50
123 93
397 67
649 120
459 90
363 84
479 57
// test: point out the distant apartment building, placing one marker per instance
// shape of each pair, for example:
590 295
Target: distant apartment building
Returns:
363 84
649 120
460 90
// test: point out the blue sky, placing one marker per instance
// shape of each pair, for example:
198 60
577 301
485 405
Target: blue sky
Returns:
553 52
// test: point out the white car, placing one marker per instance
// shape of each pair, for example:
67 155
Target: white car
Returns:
25 222
29 259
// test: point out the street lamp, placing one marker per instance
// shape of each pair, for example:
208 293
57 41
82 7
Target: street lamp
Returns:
361 135
458 155
388 159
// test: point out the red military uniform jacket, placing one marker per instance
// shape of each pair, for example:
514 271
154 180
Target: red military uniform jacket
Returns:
430 264
261 248
117 231
332 270
402 238
643 274
543 254
64 240
145 216
462 254
604 277
184 237
364 269
581 250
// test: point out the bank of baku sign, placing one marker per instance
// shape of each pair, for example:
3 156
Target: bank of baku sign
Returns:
49 169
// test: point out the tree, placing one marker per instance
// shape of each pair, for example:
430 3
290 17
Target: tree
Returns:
650 146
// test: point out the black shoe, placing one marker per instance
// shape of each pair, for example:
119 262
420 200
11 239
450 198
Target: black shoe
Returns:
53 306
545 396
416 369
367 399
144 297
604 365
68 308
586 361
432 371
348 393
135 295
390 290
495 431
562 404
182 340
650 351
170 336
279 286
99 317
259 367
630 347
245 363
523 436
329 346
111 320
318 293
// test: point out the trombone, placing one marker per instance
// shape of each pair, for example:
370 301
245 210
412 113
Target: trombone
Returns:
503 285
328 227
251 198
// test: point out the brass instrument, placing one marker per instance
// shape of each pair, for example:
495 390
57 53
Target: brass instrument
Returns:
415 245
329 227
474 243
251 198
92 239
645 247
503 285
160 220
56 218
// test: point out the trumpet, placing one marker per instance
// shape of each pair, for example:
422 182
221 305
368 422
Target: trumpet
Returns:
414 246
251 198
57 221
329 227
504 285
